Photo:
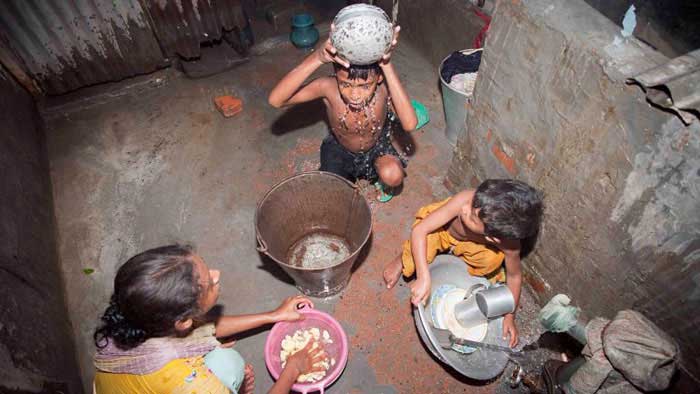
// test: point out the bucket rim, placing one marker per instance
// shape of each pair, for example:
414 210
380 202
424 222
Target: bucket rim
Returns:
467 51
301 175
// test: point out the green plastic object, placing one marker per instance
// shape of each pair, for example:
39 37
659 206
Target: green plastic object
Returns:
421 114
558 315
384 195
304 34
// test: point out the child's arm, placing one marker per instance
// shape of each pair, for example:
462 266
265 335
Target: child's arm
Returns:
402 104
299 363
287 311
420 289
514 279
290 91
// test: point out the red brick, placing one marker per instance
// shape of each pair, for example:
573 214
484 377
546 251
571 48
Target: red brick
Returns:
228 105
535 283
507 161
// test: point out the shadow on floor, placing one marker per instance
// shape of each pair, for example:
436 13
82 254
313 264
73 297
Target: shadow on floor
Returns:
299 116
404 141
362 256
272 267
558 343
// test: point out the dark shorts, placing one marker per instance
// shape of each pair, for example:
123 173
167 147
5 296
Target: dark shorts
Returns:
352 166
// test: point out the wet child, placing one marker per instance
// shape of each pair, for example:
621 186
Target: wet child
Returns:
362 103
485 227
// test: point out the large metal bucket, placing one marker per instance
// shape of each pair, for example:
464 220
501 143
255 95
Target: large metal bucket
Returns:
307 203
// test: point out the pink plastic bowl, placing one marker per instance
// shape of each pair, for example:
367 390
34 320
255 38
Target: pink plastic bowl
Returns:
337 350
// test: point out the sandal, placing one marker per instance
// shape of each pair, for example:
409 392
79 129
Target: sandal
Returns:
422 115
383 196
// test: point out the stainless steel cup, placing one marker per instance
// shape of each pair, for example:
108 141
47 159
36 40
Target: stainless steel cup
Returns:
467 311
495 301
468 314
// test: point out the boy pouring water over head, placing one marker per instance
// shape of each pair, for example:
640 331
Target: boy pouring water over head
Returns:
362 103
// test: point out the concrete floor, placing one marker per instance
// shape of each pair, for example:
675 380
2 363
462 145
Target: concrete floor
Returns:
150 161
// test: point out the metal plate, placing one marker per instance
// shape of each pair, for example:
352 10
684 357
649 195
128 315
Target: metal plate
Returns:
483 364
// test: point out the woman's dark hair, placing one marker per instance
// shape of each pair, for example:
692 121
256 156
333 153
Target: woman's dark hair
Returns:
510 209
152 291
359 72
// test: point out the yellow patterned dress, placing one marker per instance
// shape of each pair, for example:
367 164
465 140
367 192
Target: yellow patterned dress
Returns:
184 375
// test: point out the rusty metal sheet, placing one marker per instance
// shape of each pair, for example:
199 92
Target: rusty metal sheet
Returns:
674 85
68 44
181 25
14 65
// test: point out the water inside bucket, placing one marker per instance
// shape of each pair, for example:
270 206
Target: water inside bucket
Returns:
318 250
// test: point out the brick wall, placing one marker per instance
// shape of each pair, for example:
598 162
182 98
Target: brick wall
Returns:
622 179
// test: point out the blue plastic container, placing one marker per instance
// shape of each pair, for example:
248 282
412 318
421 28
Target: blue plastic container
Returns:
304 33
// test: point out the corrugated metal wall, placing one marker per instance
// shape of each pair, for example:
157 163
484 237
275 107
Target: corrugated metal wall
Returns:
675 85
68 44
182 25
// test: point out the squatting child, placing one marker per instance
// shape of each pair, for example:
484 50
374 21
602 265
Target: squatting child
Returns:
362 103
484 227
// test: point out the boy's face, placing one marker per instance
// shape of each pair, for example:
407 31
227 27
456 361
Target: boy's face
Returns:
470 219
356 93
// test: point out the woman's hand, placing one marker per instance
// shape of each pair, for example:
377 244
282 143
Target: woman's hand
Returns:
302 362
386 59
288 309
326 52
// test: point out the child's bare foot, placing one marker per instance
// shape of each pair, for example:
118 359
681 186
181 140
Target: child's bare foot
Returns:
248 385
392 272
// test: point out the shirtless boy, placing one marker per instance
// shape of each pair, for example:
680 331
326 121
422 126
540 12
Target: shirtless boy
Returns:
361 103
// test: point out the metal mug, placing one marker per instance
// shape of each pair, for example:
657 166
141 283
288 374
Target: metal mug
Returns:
467 311
495 301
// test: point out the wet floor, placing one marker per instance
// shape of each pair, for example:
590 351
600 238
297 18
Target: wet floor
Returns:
150 161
